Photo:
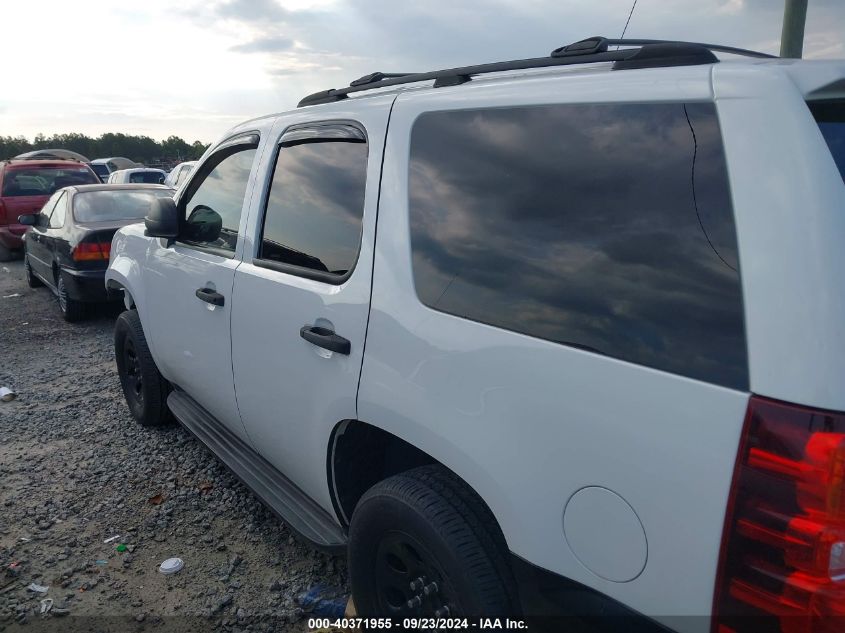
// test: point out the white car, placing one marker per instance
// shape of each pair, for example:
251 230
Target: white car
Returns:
179 174
137 175
105 166
553 336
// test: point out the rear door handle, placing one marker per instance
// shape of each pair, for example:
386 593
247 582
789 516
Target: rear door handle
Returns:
210 296
325 338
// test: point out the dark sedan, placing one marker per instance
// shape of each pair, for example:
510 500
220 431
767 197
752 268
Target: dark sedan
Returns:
67 247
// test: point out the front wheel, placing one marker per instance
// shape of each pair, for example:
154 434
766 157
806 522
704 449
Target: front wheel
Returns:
421 544
144 388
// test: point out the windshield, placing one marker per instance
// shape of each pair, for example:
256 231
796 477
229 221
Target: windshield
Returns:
115 205
830 115
150 177
44 181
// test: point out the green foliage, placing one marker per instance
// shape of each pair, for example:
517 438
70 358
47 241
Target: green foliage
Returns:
141 149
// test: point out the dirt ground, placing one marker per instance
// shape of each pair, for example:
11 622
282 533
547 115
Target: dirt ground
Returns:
75 470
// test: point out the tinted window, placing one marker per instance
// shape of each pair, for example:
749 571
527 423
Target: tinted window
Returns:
149 177
213 210
604 227
830 115
115 205
44 181
101 170
57 216
315 206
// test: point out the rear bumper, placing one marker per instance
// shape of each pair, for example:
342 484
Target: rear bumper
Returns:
10 235
88 285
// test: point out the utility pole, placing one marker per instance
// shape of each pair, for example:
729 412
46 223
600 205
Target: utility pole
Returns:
792 36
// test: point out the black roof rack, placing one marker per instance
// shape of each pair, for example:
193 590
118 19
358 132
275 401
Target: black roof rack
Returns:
645 54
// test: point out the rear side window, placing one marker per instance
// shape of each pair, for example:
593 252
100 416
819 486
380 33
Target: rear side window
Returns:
830 115
312 225
607 228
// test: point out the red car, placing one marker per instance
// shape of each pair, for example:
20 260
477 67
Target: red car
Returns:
25 185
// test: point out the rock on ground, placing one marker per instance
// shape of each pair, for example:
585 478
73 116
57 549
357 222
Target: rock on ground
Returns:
76 470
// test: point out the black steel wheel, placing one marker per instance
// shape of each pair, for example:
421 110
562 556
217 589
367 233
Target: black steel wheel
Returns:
410 582
422 544
144 388
133 379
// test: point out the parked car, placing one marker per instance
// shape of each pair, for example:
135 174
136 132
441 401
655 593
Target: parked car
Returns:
67 247
101 168
565 341
180 173
117 162
137 175
25 185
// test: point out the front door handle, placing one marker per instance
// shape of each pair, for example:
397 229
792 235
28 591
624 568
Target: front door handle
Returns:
210 296
325 338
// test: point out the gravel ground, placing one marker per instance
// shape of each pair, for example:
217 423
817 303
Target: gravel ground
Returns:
76 470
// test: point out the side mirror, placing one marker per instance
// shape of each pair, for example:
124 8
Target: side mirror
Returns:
163 219
29 219
204 224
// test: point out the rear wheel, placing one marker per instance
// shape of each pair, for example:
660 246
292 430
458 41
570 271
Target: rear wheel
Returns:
421 544
6 254
72 310
31 280
143 386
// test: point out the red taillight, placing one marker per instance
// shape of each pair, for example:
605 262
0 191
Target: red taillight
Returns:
92 251
782 568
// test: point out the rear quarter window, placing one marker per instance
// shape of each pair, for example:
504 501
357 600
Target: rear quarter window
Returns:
607 228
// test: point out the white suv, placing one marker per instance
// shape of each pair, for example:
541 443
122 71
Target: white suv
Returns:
561 335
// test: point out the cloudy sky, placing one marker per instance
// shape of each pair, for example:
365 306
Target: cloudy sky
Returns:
195 67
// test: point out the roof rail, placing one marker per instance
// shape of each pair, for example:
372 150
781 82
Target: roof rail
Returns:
645 54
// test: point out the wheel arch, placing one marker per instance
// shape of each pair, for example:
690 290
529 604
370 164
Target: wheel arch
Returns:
114 285
360 454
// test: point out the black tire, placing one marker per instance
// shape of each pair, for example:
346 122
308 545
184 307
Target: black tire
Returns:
143 386
6 254
72 310
426 523
31 280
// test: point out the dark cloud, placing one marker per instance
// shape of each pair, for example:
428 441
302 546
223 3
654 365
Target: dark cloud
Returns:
270 44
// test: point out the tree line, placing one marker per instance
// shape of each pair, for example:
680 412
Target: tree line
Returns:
141 149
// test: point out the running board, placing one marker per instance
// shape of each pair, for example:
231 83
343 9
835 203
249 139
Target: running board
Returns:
278 492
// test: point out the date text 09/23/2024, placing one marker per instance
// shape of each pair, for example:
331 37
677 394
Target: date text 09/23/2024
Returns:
417 623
